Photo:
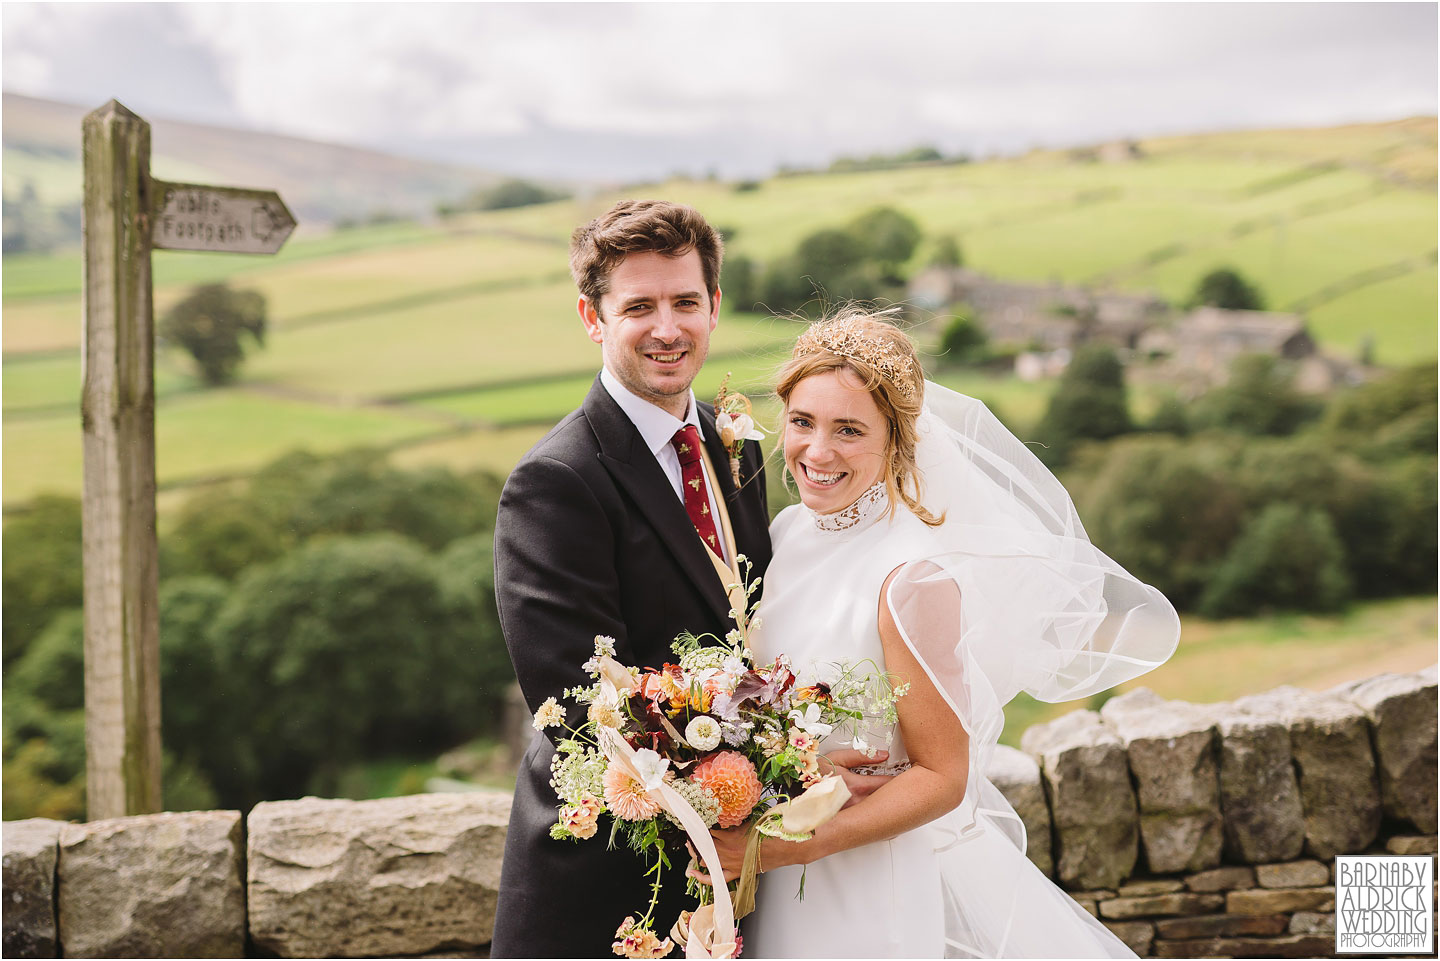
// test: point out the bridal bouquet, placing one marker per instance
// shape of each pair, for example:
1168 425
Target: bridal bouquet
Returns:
712 739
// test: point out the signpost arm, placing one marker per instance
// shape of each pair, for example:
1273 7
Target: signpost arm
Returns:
117 408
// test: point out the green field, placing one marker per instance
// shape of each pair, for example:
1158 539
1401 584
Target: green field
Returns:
1222 660
458 343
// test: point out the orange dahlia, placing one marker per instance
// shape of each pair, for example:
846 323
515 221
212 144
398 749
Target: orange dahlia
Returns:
626 797
731 777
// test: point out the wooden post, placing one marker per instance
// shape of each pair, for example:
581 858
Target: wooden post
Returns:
117 408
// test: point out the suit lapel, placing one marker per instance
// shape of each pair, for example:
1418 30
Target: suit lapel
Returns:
745 513
629 461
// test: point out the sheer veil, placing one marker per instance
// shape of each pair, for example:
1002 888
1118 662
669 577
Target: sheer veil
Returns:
1040 609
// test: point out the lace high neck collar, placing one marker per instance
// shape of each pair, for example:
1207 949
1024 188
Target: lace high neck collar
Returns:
867 507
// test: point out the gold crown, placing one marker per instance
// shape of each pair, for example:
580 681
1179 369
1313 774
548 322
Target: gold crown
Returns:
847 337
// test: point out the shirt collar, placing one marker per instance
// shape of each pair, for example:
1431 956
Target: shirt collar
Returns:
656 426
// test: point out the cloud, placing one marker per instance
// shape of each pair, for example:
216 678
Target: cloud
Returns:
652 86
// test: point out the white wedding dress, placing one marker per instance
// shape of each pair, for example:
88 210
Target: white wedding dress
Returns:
1041 610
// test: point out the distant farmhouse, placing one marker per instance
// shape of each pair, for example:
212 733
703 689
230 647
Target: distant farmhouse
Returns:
1050 320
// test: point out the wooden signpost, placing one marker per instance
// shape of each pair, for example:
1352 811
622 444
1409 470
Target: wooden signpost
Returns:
126 214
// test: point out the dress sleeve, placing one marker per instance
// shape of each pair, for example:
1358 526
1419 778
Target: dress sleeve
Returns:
556 586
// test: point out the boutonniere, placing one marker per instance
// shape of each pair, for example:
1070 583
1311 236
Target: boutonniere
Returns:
735 422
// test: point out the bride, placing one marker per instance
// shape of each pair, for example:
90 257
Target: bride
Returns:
932 543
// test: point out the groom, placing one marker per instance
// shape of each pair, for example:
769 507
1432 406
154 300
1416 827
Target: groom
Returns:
602 529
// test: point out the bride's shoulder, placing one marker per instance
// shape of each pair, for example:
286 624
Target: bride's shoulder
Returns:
785 521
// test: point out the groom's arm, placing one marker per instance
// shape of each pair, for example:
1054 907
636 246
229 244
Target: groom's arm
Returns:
556 586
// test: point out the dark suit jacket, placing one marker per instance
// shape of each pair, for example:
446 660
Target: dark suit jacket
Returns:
591 539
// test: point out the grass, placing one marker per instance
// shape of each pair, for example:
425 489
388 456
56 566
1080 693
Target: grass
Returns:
1222 660
200 435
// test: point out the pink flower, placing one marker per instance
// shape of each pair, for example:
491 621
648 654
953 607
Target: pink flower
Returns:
582 818
626 797
801 741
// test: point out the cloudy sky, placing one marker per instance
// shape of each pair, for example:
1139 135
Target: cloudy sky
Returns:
638 90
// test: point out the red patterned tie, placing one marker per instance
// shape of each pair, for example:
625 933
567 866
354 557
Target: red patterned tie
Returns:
692 481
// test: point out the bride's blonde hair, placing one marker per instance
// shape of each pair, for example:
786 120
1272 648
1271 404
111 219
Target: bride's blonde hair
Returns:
866 343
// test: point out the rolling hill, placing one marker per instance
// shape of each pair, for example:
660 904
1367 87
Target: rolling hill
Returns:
457 343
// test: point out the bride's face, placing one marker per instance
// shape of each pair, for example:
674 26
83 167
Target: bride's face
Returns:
834 440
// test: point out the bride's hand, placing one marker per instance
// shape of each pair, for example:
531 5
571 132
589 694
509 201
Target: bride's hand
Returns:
860 785
730 845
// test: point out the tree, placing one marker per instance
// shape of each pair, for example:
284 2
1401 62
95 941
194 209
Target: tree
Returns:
963 342
739 282
1088 404
1167 511
1225 288
1287 558
1258 398
341 650
210 324
42 569
888 238
947 252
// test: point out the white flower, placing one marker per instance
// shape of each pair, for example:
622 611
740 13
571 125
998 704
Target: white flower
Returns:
732 427
734 638
550 714
736 733
604 714
604 646
818 804
734 666
703 733
651 768
808 720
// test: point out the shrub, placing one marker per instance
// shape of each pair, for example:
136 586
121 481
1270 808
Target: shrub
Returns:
963 342
341 650
1225 288
42 569
1289 558
1165 510
1259 398
1088 404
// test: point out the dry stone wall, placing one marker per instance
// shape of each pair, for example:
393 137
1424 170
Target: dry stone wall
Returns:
1189 830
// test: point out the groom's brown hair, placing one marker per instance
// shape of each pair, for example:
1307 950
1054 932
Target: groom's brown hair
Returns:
632 226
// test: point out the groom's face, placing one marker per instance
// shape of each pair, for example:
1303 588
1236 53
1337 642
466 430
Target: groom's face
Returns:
654 325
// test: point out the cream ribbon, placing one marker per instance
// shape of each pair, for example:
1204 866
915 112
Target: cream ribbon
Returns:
721 940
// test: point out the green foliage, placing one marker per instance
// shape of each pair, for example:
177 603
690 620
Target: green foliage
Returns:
1088 404
964 341
466 570
1289 557
42 569
1389 417
53 669
193 704
1166 510
1225 288
303 495
888 238
341 650
210 323
739 283
221 532
1170 417
947 252
505 195
1259 398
